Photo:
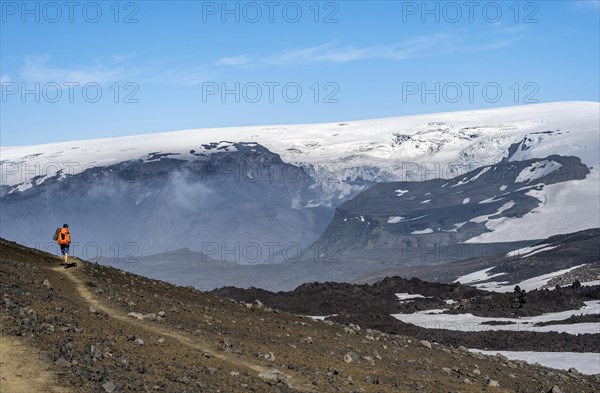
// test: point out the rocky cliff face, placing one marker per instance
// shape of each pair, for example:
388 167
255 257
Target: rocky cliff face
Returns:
231 201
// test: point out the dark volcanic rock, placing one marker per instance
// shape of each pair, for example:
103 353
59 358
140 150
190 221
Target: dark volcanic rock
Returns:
371 306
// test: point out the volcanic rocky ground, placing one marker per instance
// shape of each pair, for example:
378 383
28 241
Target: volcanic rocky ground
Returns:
100 329
371 305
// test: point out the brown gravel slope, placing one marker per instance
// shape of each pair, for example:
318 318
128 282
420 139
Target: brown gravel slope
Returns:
104 330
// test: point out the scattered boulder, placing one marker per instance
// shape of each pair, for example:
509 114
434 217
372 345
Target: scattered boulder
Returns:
258 304
149 317
270 357
493 383
62 362
350 357
573 371
109 387
272 376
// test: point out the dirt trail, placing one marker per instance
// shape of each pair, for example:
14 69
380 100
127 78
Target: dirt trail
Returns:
22 370
184 339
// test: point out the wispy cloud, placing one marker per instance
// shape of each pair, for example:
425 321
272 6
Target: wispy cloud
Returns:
39 69
334 53
233 61
4 79
337 54
118 67
415 47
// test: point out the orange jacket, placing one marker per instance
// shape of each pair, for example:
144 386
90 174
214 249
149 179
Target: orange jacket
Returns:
64 237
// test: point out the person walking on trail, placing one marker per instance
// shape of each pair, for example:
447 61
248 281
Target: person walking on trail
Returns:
63 238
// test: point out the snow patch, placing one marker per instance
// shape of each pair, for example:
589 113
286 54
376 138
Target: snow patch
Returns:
484 170
525 250
358 218
584 362
480 275
486 218
529 284
408 296
395 219
434 319
456 226
422 232
559 211
491 200
537 170
540 250
590 283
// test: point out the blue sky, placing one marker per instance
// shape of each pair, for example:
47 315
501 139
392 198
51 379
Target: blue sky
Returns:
153 66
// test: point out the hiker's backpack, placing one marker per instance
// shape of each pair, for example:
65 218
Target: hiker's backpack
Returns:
64 237
55 237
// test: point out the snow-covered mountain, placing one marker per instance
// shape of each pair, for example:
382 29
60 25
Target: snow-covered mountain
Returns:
557 260
437 213
338 155
128 187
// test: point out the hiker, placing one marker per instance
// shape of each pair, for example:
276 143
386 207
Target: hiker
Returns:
63 238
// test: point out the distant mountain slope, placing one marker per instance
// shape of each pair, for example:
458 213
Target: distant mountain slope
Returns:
345 158
502 271
439 212
276 186
236 204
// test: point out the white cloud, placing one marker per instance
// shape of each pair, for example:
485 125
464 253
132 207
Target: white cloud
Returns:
38 69
4 79
233 61
418 46
332 53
